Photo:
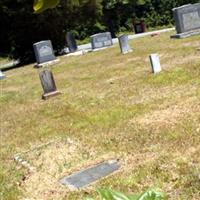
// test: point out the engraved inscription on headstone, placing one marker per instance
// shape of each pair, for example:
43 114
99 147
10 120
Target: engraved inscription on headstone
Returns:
88 176
71 42
187 20
124 45
191 20
48 84
44 51
155 63
101 40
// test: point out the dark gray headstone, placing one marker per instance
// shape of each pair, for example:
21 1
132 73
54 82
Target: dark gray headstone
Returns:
71 42
44 51
88 176
187 18
2 76
138 28
124 45
101 40
48 84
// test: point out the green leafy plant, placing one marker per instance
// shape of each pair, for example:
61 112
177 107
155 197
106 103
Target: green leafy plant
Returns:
151 194
41 5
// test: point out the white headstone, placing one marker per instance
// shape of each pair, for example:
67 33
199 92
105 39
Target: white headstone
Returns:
2 76
155 63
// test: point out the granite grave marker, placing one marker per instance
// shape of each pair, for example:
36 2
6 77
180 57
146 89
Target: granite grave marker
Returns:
86 177
71 42
124 45
187 20
48 84
155 63
44 52
101 40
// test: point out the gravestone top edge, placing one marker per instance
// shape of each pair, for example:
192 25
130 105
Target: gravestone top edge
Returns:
40 42
124 35
186 6
183 6
98 34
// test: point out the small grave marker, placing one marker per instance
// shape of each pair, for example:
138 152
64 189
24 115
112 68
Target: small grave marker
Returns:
187 20
86 177
124 45
155 63
48 84
2 76
101 40
44 53
71 42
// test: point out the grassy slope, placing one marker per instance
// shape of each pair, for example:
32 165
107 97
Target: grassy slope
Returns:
111 106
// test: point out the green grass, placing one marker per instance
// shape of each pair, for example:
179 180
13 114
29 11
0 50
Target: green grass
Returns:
111 106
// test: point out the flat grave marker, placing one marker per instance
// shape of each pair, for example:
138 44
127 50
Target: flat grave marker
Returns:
48 84
88 176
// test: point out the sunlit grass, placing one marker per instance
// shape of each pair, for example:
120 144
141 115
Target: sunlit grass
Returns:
111 106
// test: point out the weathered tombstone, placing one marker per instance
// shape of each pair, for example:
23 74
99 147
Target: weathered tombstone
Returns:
187 20
71 42
101 40
2 76
140 27
44 52
124 45
90 175
48 84
155 63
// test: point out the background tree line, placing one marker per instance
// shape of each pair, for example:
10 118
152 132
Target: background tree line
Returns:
21 27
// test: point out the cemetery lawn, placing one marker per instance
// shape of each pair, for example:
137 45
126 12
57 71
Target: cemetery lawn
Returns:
3 61
111 107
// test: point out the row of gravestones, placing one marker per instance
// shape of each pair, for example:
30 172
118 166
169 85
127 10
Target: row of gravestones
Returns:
187 20
50 89
44 51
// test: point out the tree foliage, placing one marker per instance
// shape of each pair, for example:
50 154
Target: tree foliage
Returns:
21 26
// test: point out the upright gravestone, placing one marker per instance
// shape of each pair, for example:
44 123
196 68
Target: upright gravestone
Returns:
155 63
124 45
101 40
187 20
44 52
48 84
71 42
2 76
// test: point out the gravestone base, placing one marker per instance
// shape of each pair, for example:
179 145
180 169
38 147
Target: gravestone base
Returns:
46 64
186 34
129 51
99 49
78 53
50 94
